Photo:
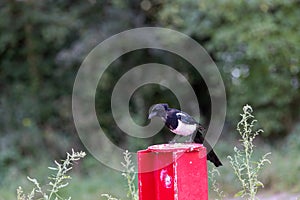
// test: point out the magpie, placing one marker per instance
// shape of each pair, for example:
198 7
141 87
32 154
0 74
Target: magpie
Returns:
183 124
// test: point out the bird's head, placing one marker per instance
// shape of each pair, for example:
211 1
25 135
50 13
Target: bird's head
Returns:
158 110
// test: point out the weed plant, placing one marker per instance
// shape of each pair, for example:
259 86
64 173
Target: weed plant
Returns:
245 167
57 181
130 175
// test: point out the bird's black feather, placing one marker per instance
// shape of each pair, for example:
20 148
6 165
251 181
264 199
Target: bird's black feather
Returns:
188 126
211 156
171 121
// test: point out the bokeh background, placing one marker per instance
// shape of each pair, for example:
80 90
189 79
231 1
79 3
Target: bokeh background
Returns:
255 44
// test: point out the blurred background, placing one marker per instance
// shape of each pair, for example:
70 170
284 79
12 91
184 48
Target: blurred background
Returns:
255 44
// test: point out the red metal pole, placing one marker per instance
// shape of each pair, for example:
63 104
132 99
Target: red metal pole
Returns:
173 172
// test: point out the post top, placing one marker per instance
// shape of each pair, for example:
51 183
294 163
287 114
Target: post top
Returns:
182 147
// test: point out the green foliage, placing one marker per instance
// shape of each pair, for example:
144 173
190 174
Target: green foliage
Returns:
215 186
130 176
285 173
36 79
109 197
31 82
255 44
245 167
57 181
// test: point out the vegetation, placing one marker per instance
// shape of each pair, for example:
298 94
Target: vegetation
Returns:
130 176
245 168
254 43
215 186
57 181
42 44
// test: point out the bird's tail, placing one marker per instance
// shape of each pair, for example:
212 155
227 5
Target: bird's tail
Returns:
211 156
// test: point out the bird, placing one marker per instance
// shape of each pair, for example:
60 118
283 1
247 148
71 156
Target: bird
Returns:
183 124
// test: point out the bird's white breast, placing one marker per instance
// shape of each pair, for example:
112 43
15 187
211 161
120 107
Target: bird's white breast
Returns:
184 129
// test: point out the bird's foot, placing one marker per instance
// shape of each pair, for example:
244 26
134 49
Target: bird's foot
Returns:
172 142
175 139
190 139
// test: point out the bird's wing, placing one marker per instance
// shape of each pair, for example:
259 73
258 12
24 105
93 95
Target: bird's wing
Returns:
186 118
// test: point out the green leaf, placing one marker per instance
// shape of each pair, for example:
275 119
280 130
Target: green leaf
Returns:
53 168
259 184
239 194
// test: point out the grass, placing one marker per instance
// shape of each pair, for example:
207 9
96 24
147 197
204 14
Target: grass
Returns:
84 185
90 179
282 176
100 181
58 179
130 176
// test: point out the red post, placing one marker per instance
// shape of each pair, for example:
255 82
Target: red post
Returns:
173 172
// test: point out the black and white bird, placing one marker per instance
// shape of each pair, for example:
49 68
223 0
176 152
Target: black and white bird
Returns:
183 124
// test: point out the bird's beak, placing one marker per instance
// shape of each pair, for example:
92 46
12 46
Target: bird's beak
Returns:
151 115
